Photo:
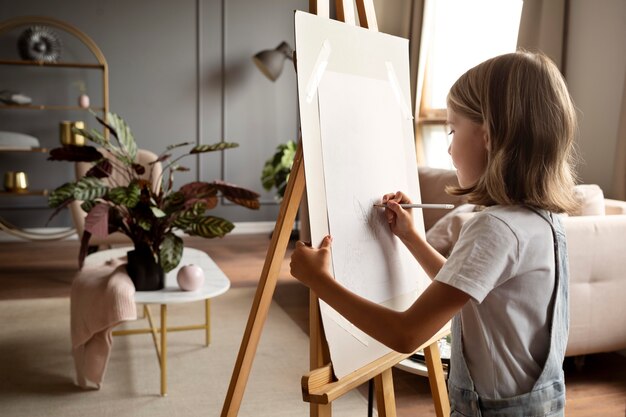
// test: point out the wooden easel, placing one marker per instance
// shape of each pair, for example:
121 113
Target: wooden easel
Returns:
318 386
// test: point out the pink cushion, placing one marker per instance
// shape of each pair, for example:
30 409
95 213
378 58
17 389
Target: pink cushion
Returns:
591 199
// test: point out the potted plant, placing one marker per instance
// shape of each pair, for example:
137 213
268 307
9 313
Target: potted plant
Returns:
276 170
276 173
148 217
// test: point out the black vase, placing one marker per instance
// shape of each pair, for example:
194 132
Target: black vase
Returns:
143 270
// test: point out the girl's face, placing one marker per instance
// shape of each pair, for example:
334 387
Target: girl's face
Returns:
468 148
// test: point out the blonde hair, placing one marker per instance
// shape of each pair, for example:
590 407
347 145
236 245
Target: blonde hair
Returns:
522 100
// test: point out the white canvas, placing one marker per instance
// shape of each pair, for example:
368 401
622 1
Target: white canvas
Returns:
357 138
366 152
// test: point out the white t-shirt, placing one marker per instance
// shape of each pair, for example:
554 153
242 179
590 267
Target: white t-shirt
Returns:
504 259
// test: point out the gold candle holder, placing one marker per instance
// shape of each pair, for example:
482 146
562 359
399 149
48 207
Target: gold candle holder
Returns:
68 137
15 181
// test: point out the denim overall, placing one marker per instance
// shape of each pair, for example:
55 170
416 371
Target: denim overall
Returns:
547 397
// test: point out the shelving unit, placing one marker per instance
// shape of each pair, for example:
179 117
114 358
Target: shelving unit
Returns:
101 65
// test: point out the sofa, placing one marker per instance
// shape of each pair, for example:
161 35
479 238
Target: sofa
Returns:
596 239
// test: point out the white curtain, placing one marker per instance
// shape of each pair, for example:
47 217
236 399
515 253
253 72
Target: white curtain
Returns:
543 28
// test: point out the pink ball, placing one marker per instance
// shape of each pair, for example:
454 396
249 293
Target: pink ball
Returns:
190 277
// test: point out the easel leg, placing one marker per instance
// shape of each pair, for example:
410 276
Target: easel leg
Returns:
385 397
318 348
266 287
437 380
163 350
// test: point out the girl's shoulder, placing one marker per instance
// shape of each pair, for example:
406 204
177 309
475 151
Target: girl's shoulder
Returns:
519 220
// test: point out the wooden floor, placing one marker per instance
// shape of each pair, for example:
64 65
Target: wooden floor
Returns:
35 270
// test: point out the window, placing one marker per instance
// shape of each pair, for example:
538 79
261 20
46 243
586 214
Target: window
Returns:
456 35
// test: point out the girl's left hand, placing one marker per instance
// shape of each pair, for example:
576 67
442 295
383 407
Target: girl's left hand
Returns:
308 264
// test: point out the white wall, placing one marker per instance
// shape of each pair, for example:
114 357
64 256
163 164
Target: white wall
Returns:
595 70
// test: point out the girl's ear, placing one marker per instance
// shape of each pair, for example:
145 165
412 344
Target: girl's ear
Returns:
485 136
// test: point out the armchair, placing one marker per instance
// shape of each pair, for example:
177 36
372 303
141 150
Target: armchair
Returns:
144 157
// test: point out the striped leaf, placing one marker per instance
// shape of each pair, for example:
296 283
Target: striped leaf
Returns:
198 189
170 252
61 195
211 226
239 195
86 206
89 188
220 146
92 135
122 133
178 145
125 196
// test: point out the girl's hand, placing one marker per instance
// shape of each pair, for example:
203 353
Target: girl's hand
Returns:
400 220
310 265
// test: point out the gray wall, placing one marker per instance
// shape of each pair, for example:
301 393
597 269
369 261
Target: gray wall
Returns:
595 70
179 71
182 71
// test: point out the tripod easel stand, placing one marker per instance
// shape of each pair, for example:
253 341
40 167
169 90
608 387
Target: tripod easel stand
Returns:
318 386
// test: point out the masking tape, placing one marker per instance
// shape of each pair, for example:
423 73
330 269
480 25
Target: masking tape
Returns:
318 71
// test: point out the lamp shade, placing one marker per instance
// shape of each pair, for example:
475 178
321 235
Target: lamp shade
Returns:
271 61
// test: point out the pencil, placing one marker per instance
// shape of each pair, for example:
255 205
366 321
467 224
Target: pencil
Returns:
423 206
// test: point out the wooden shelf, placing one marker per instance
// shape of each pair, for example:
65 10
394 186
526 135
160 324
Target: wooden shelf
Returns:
24 193
45 107
18 149
52 64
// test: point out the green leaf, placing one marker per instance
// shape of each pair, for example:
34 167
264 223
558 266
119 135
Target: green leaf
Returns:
92 135
170 252
188 217
145 224
124 135
87 205
220 146
211 226
61 194
158 213
125 196
89 188
178 145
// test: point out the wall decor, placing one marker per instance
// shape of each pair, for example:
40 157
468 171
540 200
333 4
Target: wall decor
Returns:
39 43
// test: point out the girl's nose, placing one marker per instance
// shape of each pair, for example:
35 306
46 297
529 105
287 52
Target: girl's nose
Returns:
450 149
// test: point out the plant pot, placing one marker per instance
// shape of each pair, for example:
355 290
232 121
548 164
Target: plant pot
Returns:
145 273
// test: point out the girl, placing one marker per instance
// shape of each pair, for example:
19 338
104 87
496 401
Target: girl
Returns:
505 282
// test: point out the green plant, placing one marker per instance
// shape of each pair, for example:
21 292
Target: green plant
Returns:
147 216
277 169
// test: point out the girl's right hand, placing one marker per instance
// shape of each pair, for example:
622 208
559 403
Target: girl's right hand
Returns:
400 220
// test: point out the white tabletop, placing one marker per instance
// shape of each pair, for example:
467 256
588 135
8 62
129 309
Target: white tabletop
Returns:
215 282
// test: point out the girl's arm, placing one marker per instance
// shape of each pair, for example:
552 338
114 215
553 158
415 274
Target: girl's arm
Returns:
401 224
402 331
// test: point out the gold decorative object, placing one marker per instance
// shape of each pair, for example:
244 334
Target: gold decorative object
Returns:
15 181
68 137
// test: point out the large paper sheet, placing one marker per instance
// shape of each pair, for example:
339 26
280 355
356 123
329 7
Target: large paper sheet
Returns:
367 151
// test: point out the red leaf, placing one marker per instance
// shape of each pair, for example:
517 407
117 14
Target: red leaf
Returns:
97 220
75 154
198 189
238 195
102 169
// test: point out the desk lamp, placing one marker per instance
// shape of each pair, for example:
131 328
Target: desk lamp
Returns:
271 61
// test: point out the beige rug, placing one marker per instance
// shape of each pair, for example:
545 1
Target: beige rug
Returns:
36 368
